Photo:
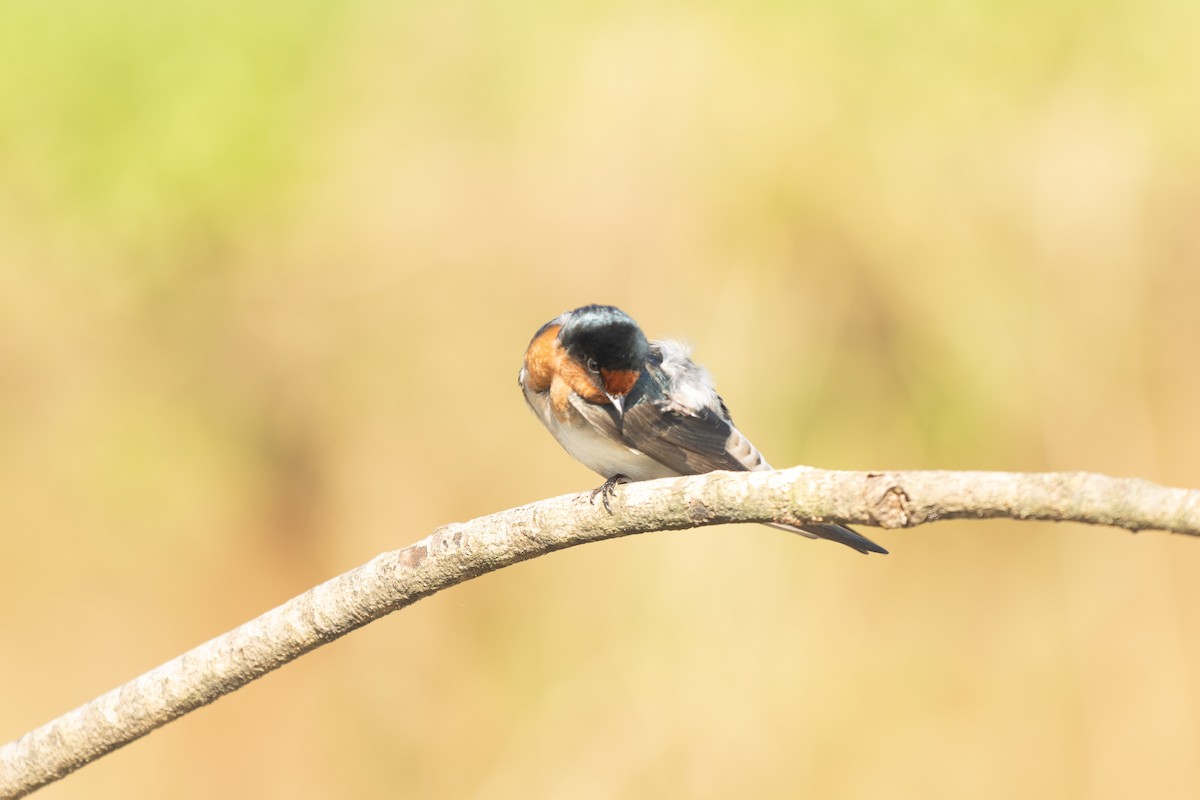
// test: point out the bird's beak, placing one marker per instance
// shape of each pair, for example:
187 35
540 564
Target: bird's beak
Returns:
618 402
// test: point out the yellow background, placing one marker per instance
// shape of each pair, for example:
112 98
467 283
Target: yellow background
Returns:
267 272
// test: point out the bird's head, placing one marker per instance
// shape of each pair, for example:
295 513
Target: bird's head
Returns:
609 346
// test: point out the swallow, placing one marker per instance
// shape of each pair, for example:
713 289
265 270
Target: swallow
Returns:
632 409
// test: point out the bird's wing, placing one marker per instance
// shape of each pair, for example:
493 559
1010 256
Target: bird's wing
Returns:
689 443
675 416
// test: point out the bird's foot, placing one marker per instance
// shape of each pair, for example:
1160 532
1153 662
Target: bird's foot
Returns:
605 490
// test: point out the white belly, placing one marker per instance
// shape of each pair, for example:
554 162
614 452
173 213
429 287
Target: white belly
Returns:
604 456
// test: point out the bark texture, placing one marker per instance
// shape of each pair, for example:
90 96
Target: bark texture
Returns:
461 551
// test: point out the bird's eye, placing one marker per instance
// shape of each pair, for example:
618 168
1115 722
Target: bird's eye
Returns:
592 366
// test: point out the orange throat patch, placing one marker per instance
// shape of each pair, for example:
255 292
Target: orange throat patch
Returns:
619 381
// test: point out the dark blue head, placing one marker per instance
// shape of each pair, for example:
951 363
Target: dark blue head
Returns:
604 338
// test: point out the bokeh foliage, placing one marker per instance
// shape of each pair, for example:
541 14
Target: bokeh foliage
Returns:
267 271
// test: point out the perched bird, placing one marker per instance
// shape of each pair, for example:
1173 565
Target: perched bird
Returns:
633 409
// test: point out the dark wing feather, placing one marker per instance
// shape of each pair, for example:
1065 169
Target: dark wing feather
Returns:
689 443
696 441
834 533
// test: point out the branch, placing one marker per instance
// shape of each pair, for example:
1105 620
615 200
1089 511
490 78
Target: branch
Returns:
462 551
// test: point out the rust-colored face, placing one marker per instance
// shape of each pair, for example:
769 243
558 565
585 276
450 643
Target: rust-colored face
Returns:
576 376
541 359
595 352
619 381
549 368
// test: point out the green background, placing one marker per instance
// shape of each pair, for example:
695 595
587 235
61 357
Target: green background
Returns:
267 273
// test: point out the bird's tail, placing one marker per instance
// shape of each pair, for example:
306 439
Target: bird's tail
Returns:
834 533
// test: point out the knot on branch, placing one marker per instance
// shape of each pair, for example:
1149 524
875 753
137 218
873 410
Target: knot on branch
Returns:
414 555
887 501
698 510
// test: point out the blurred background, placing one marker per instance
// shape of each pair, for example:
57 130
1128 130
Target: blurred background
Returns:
267 273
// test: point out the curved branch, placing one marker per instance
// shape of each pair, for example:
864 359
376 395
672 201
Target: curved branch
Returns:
461 551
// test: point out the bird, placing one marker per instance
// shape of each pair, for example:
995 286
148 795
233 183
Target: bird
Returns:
633 409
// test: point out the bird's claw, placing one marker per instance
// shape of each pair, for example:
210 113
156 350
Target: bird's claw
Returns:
605 490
